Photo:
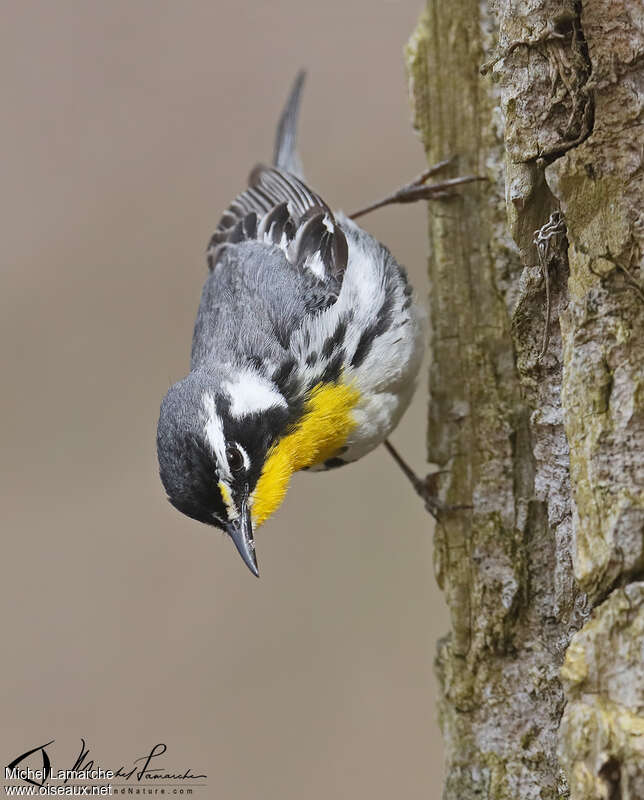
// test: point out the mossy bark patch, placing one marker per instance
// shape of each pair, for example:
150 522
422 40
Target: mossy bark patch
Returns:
547 450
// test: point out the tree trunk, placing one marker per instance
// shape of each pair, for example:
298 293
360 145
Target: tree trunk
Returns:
542 674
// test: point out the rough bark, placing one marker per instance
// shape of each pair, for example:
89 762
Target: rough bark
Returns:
542 674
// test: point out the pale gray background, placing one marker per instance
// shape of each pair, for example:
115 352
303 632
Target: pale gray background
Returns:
127 128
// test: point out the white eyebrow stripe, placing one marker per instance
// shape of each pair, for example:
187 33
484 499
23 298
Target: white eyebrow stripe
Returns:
214 431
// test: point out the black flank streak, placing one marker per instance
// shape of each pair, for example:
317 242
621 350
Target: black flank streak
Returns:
333 463
407 291
328 346
335 340
385 316
373 331
364 345
283 373
333 368
311 359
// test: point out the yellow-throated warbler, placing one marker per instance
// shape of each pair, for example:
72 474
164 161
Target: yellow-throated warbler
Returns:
305 351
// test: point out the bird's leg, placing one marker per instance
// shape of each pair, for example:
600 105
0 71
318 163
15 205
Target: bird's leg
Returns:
410 193
423 488
419 190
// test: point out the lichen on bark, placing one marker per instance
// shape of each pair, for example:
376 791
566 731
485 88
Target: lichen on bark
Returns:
602 730
544 98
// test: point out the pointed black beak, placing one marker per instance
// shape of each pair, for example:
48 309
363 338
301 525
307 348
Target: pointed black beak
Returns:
241 532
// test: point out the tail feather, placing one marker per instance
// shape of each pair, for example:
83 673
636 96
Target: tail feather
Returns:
285 155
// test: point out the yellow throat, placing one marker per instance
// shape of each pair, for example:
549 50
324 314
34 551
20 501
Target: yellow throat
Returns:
322 431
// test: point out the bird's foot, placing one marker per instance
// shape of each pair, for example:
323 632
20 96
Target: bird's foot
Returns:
418 189
427 489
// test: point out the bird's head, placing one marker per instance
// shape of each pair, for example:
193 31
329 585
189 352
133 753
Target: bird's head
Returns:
218 460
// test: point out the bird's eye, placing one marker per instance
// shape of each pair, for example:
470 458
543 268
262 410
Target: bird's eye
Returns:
235 458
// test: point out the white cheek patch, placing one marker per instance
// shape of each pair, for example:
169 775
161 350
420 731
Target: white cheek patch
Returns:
250 393
214 431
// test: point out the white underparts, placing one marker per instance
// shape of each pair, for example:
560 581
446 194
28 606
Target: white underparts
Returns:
385 375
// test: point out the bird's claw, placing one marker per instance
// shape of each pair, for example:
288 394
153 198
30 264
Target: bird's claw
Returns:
418 189
428 488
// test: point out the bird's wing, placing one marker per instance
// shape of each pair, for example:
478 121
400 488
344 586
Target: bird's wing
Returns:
279 209
253 302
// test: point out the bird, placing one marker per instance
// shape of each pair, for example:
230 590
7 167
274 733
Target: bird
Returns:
306 348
